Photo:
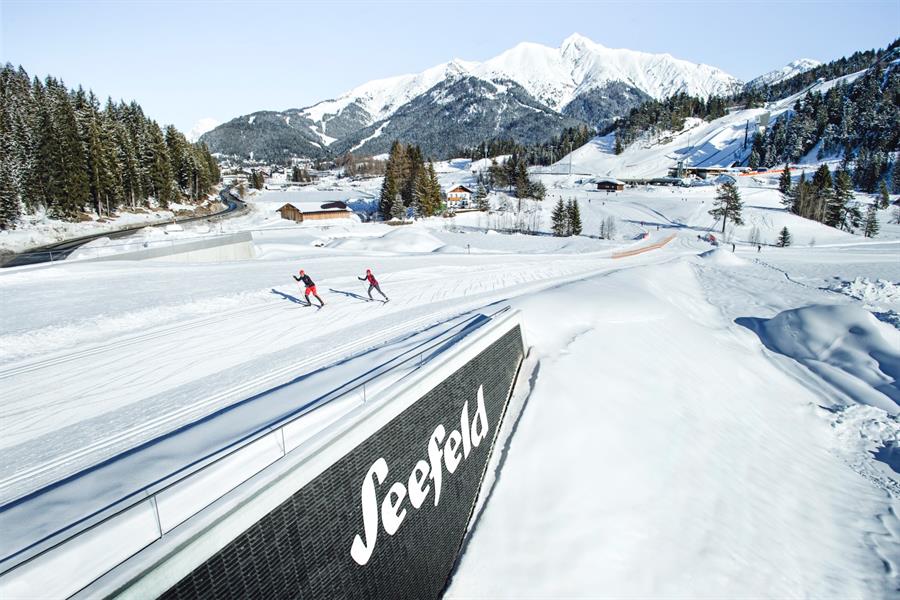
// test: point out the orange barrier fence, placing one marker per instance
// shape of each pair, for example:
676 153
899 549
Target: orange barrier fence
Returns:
643 249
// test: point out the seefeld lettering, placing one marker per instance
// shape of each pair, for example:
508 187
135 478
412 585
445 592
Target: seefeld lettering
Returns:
444 450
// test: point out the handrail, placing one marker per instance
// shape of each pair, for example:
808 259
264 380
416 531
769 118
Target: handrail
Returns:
152 490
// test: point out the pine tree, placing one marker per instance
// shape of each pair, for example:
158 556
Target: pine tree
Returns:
574 218
895 176
727 205
398 211
840 202
422 196
436 195
884 198
871 226
559 219
481 201
822 194
784 238
784 184
797 198
9 198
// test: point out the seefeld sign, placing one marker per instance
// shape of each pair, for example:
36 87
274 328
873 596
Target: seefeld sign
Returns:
393 511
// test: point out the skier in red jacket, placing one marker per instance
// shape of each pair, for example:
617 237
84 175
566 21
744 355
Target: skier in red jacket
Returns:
310 287
373 284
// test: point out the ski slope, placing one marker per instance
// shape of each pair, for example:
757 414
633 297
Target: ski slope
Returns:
670 441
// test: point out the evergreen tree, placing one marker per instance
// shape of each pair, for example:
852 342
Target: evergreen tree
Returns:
9 200
398 211
481 201
573 217
784 238
895 176
784 184
422 196
560 219
839 206
390 187
436 196
727 205
871 226
884 198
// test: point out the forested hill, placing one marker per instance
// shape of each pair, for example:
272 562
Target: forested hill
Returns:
856 119
61 152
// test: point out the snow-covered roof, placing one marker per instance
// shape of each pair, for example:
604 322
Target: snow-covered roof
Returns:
607 180
308 207
460 189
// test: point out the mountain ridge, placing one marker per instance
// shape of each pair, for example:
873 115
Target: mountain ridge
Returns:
581 81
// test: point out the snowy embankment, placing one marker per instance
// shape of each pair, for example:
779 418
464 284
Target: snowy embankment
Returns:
664 452
674 441
40 230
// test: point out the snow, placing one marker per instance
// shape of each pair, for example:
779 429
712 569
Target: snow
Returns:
202 126
845 345
712 477
38 229
701 422
554 76
879 294
374 135
717 143
793 68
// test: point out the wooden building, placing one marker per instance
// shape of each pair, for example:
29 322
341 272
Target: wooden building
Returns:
330 210
610 185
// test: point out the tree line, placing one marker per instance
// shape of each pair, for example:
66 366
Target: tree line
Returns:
859 122
828 198
410 184
62 153
670 114
512 174
544 153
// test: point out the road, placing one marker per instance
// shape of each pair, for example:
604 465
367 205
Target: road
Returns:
61 250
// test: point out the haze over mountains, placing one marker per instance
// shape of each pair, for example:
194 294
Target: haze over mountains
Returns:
528 93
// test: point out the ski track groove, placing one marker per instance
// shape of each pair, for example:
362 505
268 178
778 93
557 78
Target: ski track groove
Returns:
460 298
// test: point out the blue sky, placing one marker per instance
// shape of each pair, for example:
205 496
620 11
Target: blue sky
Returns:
186 60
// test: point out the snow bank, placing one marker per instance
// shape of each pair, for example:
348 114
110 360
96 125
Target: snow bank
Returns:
400 239
722 257
844 345
661 455
879 293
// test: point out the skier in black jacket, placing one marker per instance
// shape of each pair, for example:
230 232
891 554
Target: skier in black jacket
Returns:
373 284
310 287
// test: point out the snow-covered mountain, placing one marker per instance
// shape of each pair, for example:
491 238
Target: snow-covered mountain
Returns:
200 127
581 80
795 67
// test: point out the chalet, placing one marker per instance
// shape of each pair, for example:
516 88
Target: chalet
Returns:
313 211
459 197
610 185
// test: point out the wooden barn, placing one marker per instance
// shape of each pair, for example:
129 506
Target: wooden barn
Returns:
610 185
316 212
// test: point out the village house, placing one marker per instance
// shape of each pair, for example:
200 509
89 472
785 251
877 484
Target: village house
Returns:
459 197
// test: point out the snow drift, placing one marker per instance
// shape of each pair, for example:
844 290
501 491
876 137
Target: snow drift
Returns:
846 346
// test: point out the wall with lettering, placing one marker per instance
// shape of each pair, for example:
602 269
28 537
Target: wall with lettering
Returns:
386 520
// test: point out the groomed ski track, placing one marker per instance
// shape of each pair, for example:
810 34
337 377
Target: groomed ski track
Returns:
163 376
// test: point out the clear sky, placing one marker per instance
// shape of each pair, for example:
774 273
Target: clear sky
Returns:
186 60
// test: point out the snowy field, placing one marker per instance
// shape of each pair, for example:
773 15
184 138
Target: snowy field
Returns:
728 420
